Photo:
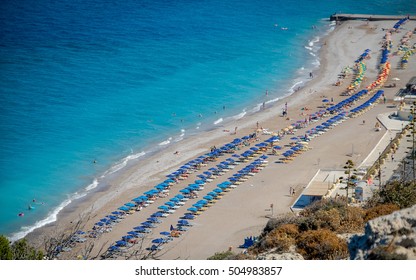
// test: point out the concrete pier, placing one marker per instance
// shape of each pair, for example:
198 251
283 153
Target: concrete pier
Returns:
343 17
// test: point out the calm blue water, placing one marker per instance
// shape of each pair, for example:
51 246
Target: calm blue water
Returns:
106 80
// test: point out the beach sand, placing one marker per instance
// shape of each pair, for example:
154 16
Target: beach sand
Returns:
244 211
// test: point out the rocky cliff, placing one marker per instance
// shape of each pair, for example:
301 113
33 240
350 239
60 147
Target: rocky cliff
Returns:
387 237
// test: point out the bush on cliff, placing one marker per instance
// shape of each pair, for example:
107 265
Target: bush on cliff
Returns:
321 244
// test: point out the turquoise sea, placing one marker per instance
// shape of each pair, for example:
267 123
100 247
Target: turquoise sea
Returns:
113 81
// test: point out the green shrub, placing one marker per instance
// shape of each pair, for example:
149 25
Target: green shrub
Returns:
401 194
19 250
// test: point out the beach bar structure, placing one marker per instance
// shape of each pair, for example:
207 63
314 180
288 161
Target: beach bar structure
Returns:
344 17
314 192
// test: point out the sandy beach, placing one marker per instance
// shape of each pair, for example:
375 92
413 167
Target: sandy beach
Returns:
244 211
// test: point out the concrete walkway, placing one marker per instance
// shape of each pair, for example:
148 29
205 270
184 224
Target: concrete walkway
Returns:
391 169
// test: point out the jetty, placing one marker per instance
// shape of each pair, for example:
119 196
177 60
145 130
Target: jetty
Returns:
343 17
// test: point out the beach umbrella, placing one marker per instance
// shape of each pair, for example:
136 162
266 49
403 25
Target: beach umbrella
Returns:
113 248
203 202
193 187
212 194
183 222
129 204
174 199
154 220
208 197
158 240
165 233
185 191
192 209
170 204
99 224
154 248
157 214
139 228
163 207
197 205
121 243
136 234
188 216
138 199
124 208
127 237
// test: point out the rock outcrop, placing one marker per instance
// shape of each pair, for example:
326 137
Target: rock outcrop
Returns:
387 237
291 255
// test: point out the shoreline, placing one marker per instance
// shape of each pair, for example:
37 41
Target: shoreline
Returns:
127 184
90 192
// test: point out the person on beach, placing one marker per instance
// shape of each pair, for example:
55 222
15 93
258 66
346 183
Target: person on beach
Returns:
235 130
310 75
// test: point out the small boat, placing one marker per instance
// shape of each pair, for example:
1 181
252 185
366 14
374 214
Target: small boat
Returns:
21 214
30 207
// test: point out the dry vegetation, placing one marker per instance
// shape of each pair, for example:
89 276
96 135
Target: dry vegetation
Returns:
315 232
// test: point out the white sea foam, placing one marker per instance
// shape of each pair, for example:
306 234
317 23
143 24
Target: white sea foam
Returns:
93 185
316 63
181 136
308 48
239 116
166 142
51 217
272 100
295 86
312 54
220 120
122 163
255 109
